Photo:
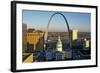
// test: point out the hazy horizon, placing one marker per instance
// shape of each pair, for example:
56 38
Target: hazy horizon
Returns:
39 20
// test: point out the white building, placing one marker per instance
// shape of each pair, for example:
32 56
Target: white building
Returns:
59 45
86 43
74 34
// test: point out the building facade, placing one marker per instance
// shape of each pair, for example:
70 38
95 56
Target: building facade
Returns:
74 34
24 39
59 45
86 43
34 39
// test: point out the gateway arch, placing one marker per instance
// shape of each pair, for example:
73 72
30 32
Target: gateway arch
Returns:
67 25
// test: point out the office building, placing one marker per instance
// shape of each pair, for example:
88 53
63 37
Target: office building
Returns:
74 34
24 39
49 54
35 39
68 53
59 56
86 43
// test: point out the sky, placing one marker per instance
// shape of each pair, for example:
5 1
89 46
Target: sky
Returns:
39 21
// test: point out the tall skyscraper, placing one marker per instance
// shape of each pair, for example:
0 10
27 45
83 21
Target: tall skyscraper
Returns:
24 39
74 34
59 44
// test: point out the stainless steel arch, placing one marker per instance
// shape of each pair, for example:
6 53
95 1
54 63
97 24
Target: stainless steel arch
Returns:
46 33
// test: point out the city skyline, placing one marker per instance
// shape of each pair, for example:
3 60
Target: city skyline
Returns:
58 46
39 20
